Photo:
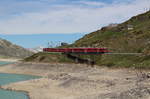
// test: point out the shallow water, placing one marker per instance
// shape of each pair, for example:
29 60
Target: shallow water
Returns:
2 63
6 78
5 94
10 78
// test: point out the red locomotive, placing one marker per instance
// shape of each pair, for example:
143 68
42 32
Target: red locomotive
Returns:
78 50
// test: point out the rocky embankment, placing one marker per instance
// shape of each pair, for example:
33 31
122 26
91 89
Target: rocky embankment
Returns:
76 81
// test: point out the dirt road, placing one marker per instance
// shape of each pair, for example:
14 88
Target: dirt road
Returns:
76 81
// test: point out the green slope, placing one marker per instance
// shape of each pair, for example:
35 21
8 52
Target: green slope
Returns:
132 36
48 57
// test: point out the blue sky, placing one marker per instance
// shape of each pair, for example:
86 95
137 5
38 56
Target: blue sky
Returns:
65 16
31 17
36 40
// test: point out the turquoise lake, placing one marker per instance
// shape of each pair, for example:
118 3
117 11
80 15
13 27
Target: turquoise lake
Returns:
2 63
4 94
6 78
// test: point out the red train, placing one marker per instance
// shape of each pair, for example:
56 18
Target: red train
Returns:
78 50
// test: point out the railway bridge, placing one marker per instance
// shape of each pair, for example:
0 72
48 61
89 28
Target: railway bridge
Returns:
74 53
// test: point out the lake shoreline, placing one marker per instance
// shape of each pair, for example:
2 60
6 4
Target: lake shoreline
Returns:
10 89
9 59
12 62
75 81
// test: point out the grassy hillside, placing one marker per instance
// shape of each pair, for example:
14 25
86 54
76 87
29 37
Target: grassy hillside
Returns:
7 50
132 36
119 38
47 57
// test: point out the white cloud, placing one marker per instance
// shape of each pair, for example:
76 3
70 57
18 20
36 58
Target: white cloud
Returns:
92 3
71 18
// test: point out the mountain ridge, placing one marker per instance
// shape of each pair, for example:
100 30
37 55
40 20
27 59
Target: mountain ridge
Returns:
8 50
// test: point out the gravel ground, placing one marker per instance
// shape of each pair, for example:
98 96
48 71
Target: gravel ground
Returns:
78 81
